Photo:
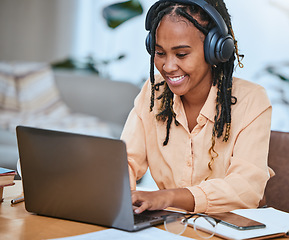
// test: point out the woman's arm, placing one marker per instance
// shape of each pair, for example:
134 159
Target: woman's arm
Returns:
133 135
161 199
247 174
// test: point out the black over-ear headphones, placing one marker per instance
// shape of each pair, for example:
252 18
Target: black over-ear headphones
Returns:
218 44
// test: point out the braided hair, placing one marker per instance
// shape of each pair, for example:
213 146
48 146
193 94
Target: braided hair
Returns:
221 72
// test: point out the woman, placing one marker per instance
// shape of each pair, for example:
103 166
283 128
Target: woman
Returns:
203 134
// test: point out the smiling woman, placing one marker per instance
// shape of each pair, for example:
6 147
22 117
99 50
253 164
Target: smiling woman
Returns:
203 134
180 60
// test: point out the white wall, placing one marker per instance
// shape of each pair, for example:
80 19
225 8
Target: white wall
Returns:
36 30
262 31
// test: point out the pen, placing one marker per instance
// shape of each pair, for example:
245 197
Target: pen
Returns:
17 200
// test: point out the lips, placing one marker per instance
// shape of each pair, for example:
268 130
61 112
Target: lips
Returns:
176 79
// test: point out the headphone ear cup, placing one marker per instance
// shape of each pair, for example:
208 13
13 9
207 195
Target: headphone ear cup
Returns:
148 43
218 48
225 48
210 45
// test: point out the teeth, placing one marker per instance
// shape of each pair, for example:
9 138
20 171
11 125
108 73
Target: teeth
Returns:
176 78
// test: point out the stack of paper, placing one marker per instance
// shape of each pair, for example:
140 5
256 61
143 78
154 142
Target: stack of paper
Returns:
114 234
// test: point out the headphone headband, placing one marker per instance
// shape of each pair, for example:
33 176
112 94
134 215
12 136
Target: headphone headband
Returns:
218 44
212 12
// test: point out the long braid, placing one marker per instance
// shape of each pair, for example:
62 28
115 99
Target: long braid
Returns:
152 71
223 80
161 11
166 109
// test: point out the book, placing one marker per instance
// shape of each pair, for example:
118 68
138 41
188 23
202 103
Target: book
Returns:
6 179
276 221
6 176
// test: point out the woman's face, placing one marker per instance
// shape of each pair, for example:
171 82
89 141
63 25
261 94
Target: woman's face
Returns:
180 57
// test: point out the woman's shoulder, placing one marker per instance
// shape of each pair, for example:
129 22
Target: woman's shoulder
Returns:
245 85
244 88
250 94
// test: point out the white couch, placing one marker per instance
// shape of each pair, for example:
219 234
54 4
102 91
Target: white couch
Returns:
95 106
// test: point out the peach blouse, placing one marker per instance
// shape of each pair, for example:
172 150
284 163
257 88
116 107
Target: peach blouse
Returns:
239 173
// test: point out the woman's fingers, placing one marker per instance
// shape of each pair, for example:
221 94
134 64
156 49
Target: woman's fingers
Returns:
144 206
156 200
140 201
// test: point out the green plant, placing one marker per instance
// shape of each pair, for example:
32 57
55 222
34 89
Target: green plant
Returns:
118 13
276 70
89 64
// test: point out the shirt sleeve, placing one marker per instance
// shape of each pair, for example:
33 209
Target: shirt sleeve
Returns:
248 172
134 136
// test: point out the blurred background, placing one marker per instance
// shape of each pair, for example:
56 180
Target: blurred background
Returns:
95 51
50 31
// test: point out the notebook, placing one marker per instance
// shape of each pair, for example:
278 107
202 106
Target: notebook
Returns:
79 177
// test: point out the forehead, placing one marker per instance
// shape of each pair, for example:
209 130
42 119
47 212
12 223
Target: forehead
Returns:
176 19
176 28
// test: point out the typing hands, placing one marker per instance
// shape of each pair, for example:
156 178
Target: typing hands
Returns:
155 200
161 199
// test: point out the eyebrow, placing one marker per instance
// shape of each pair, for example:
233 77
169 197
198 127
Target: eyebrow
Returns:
176 47
181 46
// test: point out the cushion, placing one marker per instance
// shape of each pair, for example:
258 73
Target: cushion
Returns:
29 96
28 87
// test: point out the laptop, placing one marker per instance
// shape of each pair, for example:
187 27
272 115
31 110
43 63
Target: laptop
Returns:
79 177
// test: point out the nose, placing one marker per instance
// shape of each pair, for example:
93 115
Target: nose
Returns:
170 65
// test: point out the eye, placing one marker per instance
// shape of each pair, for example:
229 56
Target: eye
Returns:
181 55
160 53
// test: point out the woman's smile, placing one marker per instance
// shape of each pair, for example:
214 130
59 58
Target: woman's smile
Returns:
176 80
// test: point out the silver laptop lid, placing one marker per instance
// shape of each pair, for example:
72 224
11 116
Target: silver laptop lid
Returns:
76 177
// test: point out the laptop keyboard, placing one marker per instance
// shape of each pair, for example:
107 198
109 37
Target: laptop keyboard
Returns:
140 218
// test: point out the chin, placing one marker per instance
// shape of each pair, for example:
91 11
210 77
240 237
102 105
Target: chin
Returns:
178 89
177 92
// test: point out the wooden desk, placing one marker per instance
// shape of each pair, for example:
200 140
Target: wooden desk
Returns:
17 223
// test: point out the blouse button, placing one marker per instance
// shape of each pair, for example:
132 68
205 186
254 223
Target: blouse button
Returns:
202 120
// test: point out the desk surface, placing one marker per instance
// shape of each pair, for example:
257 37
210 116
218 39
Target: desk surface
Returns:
17 223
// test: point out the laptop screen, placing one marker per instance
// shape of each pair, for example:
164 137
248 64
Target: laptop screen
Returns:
76 177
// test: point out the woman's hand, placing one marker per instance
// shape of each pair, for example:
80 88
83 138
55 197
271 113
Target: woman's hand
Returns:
161 199
155 200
